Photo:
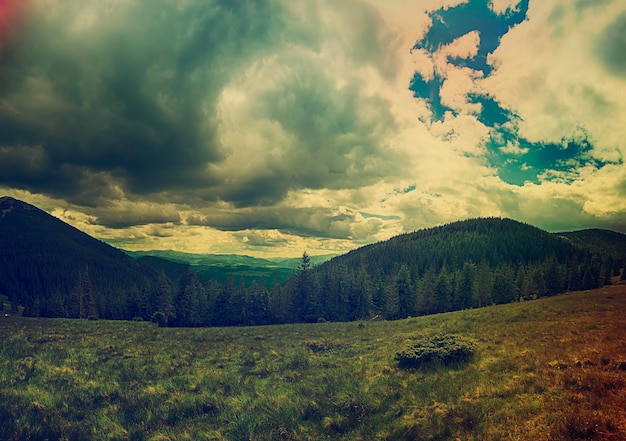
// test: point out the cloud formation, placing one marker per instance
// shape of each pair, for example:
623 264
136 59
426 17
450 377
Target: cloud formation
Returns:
276 126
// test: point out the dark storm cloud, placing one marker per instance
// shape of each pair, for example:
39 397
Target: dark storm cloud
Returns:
135 214
611 47
133 94
304 222
338 132
108 101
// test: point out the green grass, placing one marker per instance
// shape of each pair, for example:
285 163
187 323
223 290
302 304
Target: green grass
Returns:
551 369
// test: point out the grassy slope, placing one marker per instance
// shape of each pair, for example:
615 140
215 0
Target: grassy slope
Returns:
549 369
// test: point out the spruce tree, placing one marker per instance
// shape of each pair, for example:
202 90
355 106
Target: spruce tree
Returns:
464 289
164 301
406 292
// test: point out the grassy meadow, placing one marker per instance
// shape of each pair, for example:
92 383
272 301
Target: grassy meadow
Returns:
549 369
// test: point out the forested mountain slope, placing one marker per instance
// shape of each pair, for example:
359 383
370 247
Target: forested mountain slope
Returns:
53 269
600 241
464 264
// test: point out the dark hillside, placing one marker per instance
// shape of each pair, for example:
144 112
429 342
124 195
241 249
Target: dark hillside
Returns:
173 270
600 241
55 270
461 265
494 241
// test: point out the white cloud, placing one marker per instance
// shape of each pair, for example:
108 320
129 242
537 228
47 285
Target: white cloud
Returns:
286 177
547 73
500 6
513 148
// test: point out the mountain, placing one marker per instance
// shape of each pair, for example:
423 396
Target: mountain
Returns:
219 267
461 265
53 269
600 241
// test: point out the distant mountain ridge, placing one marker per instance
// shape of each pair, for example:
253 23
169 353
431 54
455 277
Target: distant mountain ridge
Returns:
600 241
221 266
228 260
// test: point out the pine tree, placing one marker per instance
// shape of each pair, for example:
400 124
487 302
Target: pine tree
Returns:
187 301
392 303
483 293
221 310
553 277
257 304
361 298
464 289
574 279
164 301
426 293
443 291
307 299
406 292
504 288
83 298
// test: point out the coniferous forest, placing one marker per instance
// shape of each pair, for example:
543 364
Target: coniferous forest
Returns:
54 270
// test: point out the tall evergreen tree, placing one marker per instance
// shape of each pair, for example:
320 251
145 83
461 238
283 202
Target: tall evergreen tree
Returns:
553 277
361 297
406 292
164 301
505 289
443 291
308 305
426 293
483 292
574 278
257 304
187 301
83 299
221 310
464 289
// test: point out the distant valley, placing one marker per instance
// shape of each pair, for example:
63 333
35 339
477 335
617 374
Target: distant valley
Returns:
220 266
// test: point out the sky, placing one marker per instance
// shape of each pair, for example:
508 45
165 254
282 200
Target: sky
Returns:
273 127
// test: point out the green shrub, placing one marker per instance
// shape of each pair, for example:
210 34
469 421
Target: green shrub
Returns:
159 318
323 345
441 348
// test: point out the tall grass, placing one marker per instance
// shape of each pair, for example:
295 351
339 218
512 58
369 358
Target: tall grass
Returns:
549 369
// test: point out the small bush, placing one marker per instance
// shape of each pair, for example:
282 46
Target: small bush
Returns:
159 318
442 348
323 345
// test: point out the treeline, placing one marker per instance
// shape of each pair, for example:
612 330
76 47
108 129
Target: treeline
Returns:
457 266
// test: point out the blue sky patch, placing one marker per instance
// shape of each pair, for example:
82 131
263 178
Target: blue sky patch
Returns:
516 159
431 91
519 160
475 15
453 23
492 113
